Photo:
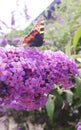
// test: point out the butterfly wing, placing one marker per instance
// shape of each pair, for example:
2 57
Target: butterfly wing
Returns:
36 36
40 28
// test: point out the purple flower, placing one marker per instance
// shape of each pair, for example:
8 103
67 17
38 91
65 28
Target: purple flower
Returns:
12 18
4 23
19 128
3 41
79 126
60 20
28 76
16 40
0 28
25 12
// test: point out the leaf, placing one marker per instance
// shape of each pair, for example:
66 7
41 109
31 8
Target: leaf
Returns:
78 87
76 37
68 49
69 96
76 56
50 108
78 104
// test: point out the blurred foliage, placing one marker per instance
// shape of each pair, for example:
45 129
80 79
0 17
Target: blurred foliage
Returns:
15 33
66 21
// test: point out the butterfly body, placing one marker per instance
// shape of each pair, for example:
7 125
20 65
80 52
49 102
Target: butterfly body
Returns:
35 37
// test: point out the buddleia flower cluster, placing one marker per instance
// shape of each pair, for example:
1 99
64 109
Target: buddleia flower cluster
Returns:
27 76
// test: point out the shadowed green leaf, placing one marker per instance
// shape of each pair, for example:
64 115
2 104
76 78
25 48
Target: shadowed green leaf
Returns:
78 87
69 96
50 108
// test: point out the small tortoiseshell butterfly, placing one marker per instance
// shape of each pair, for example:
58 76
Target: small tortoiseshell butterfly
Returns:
36 37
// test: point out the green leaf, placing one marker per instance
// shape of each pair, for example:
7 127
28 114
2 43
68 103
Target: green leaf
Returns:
50 108
76 37
78 104
76 56
78 87
68 49
69 96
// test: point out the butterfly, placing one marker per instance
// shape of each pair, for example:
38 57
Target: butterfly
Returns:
36 37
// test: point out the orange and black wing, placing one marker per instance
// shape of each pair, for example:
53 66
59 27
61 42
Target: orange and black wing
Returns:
36 36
